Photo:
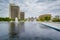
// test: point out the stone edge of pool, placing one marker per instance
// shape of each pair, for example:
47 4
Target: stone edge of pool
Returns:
53 27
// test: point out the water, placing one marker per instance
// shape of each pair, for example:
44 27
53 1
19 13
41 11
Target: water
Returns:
27 31
16 20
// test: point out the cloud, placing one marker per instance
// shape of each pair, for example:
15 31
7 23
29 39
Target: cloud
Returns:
4 8
43 7
32 8
46 1
53 8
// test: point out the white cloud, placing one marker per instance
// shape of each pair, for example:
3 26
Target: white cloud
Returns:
35 8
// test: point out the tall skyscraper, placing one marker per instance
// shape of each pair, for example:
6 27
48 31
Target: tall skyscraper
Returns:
14 11
22 15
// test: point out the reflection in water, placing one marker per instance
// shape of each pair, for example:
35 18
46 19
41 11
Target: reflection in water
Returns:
43 26
15 30
21 26
27 31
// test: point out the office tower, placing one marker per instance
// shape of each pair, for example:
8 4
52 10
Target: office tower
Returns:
14 11
22 15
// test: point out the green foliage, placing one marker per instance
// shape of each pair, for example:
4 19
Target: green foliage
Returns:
42 19
12 19
5 19
8 19
56 20
37 19
47 18
22 20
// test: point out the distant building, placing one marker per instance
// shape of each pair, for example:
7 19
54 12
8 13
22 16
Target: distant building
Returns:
14 11
22 15
57 16
45 17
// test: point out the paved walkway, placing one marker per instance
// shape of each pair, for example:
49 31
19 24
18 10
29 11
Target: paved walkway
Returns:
52 24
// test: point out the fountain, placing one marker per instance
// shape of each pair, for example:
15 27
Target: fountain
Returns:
16 20
16 24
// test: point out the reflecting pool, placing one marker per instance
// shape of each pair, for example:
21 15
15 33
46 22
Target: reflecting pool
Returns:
27 31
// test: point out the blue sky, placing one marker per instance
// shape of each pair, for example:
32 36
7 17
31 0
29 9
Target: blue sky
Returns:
32 8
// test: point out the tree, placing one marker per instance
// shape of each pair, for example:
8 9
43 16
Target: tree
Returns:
47 18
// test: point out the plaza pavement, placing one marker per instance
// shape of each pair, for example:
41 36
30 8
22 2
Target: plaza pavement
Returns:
52 24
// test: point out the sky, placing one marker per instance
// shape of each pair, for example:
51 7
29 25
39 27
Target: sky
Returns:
32 8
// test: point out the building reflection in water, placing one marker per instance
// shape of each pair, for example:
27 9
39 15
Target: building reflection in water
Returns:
21 26
16 30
